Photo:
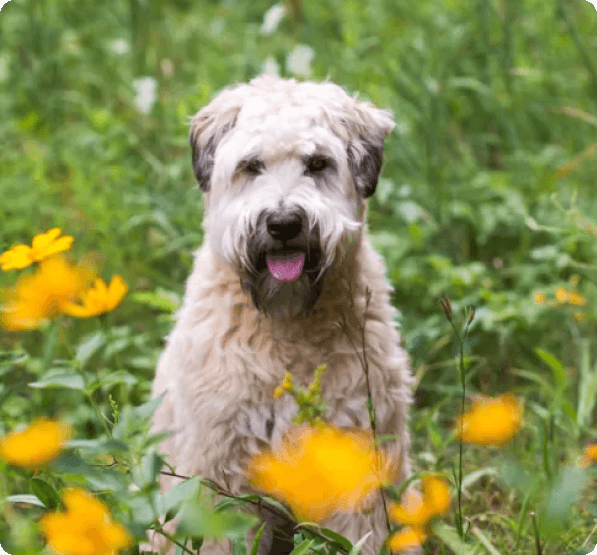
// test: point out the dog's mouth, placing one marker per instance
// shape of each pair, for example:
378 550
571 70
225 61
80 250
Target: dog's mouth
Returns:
285 266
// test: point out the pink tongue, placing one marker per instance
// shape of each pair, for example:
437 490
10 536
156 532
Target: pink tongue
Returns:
286 268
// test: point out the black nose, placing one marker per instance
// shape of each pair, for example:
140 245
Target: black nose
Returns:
284 226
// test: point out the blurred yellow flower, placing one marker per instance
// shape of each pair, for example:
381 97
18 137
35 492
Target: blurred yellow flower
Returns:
86 528
574 280
579 316
540 298
99 299
561 295
43 246
287 382
491 421
320 471
417 510
577 299
42 295
589 455
407 538
36 445
278 393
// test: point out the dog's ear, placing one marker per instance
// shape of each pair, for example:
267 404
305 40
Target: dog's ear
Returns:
208 127
368 129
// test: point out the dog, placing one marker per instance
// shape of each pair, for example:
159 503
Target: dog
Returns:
286 280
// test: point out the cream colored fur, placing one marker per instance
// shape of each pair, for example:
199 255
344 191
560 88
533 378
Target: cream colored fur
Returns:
224 357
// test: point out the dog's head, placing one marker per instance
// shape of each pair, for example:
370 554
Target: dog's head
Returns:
286 167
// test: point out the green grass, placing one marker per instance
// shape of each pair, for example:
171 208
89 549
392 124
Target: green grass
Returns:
491 98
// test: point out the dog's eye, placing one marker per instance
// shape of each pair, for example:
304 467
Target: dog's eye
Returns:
317 164
253 166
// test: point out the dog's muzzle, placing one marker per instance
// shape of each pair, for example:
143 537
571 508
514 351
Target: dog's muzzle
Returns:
285 273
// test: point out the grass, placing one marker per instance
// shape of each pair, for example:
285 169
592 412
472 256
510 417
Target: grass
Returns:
487 197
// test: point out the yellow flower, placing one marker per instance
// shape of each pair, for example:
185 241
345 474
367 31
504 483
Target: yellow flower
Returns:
589 455
36 445
407 538
579 316
577 299
561 295
320 471
574 280
540 298
43 246
86 528
417 510
278 393
287 382
99 299
42 295
491 421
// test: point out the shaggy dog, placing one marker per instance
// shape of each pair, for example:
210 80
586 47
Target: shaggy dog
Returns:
286 280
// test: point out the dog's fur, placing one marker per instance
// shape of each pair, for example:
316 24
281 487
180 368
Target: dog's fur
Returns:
285 168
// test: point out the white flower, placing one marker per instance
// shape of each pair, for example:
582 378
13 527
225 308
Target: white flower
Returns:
270 67
146 88
272 19
120 46
299 60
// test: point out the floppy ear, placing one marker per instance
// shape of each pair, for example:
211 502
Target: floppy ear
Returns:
208 127
368 127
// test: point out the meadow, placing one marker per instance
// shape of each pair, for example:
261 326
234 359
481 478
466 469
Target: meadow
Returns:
487 198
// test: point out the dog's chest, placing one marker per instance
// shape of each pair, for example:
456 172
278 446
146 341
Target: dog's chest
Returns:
263 424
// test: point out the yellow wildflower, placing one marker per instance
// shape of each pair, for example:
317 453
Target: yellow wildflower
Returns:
589 455
320 471
491 421
278 393
43 246
36 445
574 279
561 295
417 510
540 298
577 299
407 538
99 299
591 452
287 382
42 295
86 528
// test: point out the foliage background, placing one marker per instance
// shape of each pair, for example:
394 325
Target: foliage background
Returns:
488 195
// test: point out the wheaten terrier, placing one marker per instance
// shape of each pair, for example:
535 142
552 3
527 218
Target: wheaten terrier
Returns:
285 281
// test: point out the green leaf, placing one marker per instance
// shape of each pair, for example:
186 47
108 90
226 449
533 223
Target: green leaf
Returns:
239 546
554 365
357 546
587 387
302 548
178 494
560 499
61 381
450 537
257 539
198 519
338 538
471 478
45 492
485 541
99 445
155 300
24 498
594 4
89 347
